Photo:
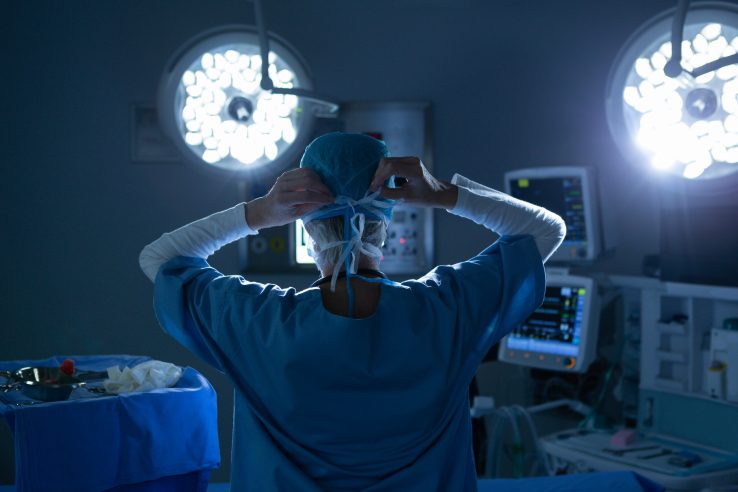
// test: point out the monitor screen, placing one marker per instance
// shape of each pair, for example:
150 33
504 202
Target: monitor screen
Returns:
556 326
568 192
302 255
562 196
560 335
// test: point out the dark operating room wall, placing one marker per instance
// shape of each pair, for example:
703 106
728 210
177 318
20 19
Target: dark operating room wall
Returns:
512 84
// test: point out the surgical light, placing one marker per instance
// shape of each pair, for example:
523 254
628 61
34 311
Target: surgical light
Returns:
214 105
677 109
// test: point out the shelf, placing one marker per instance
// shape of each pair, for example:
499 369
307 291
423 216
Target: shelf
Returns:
672 328
712 292
670 384
667 356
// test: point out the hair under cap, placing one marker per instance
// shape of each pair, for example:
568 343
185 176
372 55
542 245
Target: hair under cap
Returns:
347 163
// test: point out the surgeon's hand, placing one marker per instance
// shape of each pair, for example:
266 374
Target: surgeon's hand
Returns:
413 183
294 194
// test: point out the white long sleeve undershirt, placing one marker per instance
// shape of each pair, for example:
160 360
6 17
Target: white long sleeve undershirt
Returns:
506 215
493 209
198 239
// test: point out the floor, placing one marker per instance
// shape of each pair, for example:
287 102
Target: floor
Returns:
213 487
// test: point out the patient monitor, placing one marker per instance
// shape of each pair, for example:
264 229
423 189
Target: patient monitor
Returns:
561 335
571 193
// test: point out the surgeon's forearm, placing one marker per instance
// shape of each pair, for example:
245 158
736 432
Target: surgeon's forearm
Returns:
255 214
506 215
447 195
198 239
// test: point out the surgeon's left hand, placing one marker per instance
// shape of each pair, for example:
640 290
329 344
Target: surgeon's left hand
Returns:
294 194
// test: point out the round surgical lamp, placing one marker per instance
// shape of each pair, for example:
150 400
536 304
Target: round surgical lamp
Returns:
214 106
676 110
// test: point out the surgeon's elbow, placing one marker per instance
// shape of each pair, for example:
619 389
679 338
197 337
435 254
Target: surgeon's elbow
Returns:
149 262
558 233
549 242
560 230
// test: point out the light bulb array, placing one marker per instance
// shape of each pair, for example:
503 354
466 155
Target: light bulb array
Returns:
686 125
226 115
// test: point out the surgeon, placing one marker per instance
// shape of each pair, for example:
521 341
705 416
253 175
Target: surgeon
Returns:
358 382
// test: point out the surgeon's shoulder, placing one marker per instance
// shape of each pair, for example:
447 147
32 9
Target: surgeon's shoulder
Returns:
487 266
198 272
439 281
240 285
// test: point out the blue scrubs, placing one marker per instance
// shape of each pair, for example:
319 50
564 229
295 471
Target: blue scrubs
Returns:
325 402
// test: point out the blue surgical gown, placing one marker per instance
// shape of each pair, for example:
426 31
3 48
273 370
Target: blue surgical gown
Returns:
326 402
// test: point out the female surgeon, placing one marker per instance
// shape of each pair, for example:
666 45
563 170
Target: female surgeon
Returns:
359 382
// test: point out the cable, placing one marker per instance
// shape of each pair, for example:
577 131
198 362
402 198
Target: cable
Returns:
605 384
490 450
518 449
542 456
517 454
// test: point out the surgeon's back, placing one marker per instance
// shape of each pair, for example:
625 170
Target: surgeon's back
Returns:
327 402
353 388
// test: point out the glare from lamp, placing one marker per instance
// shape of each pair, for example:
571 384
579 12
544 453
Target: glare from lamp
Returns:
225 113
686 125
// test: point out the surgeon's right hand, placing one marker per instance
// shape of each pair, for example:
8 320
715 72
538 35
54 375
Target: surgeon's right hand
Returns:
294 194
418 187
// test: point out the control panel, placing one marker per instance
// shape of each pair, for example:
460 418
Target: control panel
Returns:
406 249
409 235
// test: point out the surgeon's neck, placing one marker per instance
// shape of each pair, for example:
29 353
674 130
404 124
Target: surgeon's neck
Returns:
364 264
366 294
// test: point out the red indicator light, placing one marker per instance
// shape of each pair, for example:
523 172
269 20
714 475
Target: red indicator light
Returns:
403 240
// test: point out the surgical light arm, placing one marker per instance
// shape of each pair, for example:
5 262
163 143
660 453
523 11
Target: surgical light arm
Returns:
673 67
331 106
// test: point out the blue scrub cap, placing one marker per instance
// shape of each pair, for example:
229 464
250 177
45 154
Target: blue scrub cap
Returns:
347 163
